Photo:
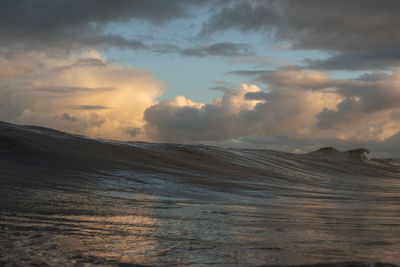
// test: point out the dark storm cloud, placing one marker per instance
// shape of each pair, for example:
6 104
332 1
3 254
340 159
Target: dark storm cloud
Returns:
363 34
36 14
73 24
358 60
365 31
244 15
316 24
111 40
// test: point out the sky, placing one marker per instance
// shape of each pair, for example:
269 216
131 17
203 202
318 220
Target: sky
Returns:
287 75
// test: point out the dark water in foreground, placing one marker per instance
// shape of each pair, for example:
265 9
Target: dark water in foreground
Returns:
71 201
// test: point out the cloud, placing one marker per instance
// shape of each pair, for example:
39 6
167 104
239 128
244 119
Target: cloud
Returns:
48 77
219 49
67 117
134 132
248 72
373 96
315 24
358 35
71 25
63 90
91 107
370 92
298 104
256 60
358 60
244 15
362 33
183 120
224 49
247 111
86 95
288 77
365 106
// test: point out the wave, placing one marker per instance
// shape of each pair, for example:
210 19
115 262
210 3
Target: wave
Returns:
76 200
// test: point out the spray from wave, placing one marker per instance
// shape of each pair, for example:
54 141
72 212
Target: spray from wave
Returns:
67 200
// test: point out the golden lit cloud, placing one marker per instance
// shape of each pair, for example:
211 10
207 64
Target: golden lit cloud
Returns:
298 104
86 95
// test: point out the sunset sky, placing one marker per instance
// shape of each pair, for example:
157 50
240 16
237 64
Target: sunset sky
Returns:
287 75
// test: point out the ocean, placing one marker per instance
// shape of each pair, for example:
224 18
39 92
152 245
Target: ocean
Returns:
68 200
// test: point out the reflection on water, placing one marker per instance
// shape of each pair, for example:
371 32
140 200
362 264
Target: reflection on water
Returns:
110 227
61 239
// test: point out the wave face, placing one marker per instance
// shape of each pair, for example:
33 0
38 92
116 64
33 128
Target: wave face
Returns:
67 200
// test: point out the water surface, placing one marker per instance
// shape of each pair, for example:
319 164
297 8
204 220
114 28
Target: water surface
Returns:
67 200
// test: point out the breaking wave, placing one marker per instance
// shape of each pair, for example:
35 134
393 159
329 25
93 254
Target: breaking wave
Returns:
68 200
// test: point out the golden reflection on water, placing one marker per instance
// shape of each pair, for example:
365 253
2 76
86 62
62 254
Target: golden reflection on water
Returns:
72 238
157 231
117 222
122 238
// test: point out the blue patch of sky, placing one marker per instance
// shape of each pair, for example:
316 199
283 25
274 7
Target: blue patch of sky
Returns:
194 76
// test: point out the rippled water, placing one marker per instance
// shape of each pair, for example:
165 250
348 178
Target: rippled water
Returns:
72 201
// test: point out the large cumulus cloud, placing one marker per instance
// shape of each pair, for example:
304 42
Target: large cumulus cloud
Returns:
298 104
182 120
83 94
245 112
